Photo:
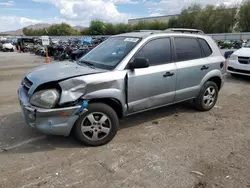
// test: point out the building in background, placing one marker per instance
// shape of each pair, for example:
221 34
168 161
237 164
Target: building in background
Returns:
163 19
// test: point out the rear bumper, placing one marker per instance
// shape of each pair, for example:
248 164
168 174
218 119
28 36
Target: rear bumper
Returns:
48 121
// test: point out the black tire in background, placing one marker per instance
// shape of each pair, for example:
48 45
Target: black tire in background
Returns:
199 101
98 108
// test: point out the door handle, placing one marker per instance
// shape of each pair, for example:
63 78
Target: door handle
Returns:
168 74
204 67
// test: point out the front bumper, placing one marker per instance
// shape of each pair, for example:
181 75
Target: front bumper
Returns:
48 121
236 68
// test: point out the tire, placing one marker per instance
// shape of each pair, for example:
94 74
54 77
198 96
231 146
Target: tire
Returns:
110 123
203 104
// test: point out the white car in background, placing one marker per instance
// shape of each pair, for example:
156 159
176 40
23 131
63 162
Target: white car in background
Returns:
8 47
239 61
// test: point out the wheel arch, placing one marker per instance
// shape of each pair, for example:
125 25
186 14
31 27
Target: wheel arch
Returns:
214 76
115 104
217 80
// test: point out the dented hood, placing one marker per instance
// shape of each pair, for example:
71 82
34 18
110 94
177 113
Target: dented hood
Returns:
59 71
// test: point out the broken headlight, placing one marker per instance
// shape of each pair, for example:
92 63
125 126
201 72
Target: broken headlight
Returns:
45 98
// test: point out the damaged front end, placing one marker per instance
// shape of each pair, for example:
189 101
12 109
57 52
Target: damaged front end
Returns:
54 121
54 107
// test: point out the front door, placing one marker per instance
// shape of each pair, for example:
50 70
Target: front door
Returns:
153 86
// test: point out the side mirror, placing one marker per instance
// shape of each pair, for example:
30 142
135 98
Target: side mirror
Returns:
139 63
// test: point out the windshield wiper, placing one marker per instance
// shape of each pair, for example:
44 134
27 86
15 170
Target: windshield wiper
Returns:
87 63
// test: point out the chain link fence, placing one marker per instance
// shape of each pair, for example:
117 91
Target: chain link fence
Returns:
230 36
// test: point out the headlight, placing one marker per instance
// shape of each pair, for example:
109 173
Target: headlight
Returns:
45 98
233 57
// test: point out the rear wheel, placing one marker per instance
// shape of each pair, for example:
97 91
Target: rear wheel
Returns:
98 126
207 97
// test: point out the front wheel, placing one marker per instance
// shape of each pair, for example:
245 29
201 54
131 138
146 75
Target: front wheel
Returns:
98 126
207 97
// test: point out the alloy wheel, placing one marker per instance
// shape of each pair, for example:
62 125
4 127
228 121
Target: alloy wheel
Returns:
96 126
209 96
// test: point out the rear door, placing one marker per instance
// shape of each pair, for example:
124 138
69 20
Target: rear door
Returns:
153 86
192 66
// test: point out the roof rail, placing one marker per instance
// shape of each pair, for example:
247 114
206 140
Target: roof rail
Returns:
147 31
184 30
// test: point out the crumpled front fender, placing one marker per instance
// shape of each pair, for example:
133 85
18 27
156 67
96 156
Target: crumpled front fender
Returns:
103 85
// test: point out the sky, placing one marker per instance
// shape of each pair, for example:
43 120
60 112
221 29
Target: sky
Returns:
16 14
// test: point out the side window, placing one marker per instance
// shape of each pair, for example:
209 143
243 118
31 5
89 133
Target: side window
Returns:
187 49
157 51
206 48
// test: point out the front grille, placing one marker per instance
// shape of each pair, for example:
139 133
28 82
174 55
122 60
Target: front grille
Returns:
244 60
238 70
27 83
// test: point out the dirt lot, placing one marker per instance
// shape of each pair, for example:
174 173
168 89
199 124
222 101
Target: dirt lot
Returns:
155 149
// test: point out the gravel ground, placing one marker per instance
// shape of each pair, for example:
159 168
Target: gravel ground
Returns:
173 147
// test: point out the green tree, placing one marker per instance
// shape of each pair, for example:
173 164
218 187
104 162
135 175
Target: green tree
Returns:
206 19
85 31
226 19
157 25
25 31
188 16
122 28
173 22
54 30
141 25
97 28
61 30
109 29
244 17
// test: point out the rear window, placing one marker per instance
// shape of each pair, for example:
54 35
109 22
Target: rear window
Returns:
206 48
187 49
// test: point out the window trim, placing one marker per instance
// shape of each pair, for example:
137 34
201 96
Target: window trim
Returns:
150 40
175 52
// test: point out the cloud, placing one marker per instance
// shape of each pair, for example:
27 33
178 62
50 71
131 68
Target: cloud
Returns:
125 1
7 3
8 23
84 11
168 7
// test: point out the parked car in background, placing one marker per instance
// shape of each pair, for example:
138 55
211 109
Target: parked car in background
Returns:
124 75
239 61
7 46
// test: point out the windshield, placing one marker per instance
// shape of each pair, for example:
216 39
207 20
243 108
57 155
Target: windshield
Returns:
110 53
247 45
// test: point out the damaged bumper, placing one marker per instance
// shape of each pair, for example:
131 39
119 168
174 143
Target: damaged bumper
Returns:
49 121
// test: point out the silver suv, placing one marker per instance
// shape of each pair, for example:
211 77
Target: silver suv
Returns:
126 74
